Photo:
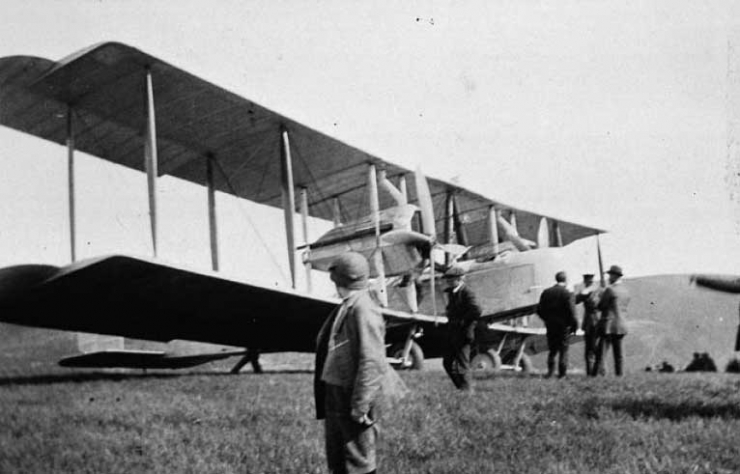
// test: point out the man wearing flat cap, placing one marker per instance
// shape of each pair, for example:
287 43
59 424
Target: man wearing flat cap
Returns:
462 316
588 295
613 325
350 370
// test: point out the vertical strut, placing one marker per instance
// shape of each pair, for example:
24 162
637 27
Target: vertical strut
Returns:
71 184
286 169
493 215
150 158
212 222
304 221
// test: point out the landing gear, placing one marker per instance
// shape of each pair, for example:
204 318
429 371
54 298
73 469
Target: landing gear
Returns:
414 360
525 365
252 356
504 356
487 361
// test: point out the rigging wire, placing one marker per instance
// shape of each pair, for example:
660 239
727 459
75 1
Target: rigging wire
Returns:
233 190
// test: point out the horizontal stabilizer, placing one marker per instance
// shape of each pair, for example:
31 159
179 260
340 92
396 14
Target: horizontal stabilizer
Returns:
131 359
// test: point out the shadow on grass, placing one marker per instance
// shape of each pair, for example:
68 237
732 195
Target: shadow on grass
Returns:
658 409
82 377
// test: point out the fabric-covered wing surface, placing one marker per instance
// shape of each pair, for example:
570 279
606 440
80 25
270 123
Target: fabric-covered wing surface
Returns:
141 299
104 85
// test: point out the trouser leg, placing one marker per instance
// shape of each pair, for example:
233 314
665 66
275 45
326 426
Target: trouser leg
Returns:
563 361
463 367
599 366
350 447
589 342
617 348
553 345
447 363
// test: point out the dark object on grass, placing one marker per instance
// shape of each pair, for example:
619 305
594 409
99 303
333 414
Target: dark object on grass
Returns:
667 368
733 366
702 363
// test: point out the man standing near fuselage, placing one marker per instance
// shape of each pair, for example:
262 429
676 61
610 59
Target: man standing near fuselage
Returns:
589 296
612 325
462 318
558 310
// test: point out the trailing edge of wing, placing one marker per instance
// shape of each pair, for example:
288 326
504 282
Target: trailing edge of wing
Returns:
143 359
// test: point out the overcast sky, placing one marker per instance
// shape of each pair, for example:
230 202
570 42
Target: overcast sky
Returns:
620 115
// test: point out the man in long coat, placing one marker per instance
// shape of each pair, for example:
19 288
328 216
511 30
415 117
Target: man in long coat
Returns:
558 310
613 323
350 370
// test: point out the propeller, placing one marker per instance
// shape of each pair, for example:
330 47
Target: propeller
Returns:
543 234
428 227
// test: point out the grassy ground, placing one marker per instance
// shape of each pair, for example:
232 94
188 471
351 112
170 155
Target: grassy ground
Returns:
216 423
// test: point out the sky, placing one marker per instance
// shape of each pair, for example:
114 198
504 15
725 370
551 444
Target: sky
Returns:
621 115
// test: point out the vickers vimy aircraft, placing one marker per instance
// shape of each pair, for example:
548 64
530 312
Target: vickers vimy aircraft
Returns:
120 104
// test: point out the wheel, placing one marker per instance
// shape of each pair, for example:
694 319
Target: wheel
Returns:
416 356
488 361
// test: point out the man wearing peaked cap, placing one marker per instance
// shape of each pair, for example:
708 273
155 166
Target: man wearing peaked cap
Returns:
613 325
350 370
588 295
462 315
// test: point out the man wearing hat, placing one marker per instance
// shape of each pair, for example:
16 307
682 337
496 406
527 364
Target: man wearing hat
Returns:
589 296
558 310
462 316
612 325
350 369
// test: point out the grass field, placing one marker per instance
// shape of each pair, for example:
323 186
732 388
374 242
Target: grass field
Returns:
217 423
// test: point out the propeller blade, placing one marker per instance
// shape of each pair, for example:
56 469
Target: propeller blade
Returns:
428 227
543 234
425 204
454 250
406 237
512 235
432 286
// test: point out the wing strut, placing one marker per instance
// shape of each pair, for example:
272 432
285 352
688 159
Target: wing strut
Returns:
336 212
304 222
286 180
449 224
71 184
558 234
493 216
601 262
150 157
212 223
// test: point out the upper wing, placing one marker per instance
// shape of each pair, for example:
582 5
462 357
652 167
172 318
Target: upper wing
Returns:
104 86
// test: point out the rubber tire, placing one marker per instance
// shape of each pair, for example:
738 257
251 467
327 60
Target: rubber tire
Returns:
416 354
486 362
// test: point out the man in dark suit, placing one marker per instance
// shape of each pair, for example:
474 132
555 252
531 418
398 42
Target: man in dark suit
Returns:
557 309
612 325
462 315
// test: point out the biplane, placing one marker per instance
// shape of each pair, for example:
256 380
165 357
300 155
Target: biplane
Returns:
125 106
